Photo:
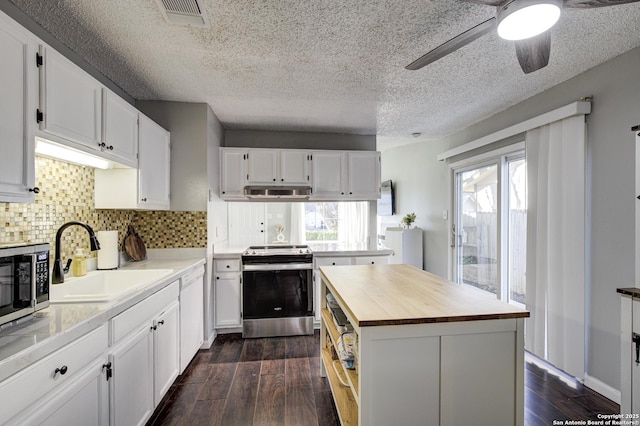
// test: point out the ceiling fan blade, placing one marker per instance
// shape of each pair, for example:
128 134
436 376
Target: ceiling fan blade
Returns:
533 53
454 44
588 4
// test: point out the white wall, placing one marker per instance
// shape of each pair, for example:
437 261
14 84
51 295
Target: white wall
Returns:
422 186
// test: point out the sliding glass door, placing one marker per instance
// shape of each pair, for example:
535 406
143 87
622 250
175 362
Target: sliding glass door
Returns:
489 231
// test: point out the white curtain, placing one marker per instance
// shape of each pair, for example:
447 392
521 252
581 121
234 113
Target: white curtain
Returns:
297 224
354 222
556 244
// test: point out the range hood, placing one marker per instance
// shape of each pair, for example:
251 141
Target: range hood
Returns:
278 192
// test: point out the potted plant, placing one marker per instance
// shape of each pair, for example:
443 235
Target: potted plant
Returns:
408 220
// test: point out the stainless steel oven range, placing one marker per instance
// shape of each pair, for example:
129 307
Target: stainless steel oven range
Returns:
277 291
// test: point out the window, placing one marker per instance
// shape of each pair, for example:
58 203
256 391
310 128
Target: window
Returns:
490 220
345 222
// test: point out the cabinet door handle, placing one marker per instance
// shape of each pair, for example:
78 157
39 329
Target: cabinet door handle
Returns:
109 371
35 190
62 370
635 338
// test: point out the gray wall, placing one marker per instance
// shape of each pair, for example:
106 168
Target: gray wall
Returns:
301 140
422 185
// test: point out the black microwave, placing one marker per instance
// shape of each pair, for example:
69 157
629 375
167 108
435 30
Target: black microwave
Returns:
24 280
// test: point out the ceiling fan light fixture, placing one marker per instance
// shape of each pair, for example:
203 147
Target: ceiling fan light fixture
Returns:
519 20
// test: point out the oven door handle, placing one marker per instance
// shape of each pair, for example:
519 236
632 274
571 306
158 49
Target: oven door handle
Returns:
278 267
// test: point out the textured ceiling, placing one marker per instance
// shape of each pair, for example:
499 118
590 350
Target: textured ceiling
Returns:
328 65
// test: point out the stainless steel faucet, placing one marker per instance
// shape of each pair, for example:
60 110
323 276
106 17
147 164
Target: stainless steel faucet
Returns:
57 276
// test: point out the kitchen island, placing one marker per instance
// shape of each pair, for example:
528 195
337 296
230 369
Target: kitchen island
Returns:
428 351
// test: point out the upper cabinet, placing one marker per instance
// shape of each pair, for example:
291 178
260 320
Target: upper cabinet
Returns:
232 173
81 113
17 106
345 175
363 177
70 101
277 167
120 125
332 175
154 165
329 171
145 188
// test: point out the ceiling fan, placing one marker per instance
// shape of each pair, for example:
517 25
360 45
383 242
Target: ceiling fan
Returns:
533 46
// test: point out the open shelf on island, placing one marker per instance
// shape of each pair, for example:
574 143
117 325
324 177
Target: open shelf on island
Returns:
334 334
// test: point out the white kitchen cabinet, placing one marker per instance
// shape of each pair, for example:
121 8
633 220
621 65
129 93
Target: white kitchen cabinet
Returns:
228 279
345 175
120 125
363 182
232 173
328 171
84 401
154 164
277 167
166 350
131 387
57 374
145 188
294 167
70 102
262 166
17 105
144 356
191 315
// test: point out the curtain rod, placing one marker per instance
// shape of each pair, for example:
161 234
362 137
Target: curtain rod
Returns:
574 108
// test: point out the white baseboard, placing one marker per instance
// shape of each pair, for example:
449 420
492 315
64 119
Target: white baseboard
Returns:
209 340
602 388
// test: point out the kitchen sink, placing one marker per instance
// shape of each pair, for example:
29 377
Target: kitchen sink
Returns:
104 286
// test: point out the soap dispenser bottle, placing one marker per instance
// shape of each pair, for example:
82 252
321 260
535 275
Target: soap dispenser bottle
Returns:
79 263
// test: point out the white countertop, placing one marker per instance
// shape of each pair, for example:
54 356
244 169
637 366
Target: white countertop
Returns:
29 339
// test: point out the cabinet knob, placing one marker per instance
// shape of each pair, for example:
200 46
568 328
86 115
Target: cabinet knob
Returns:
62 370
217 278
281 180
274 179
110 147
333 263
342 193
350 193
143 200
228 266
161 322
35 190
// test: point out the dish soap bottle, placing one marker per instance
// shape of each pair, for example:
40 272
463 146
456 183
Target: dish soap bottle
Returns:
79 263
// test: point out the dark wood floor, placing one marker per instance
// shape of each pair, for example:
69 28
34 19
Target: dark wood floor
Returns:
276 381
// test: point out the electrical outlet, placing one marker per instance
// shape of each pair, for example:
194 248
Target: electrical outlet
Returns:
445 214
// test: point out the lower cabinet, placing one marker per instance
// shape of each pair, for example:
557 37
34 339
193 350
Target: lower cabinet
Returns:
228 294
146 361
166 351
67 380
116 374
131 386
83 401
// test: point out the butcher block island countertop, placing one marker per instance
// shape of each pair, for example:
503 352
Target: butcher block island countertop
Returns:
427 351
376 295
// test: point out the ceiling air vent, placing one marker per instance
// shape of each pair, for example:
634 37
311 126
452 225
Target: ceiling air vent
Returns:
189 13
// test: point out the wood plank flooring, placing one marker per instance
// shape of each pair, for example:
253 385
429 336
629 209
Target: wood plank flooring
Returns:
276 381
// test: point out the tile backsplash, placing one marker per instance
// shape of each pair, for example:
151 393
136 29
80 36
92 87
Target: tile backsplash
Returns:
67 194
